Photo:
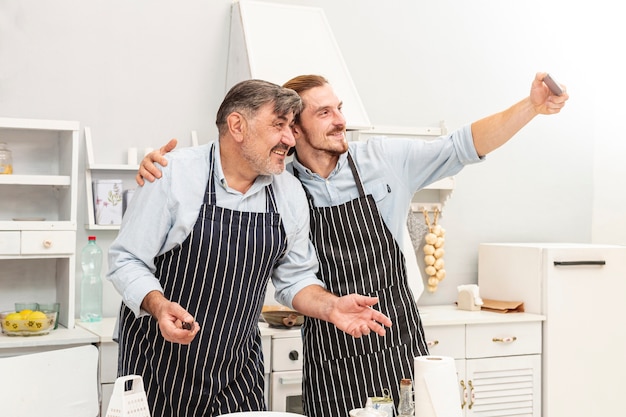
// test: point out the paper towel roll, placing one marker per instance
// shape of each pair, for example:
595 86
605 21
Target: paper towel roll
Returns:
436 387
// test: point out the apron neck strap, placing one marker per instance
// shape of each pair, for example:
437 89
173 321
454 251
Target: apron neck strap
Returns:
355 173
210 196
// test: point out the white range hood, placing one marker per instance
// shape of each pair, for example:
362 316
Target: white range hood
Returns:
276 42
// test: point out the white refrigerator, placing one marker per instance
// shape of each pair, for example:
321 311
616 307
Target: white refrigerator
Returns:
581 290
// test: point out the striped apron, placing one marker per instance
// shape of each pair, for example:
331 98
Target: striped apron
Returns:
219 274
358 254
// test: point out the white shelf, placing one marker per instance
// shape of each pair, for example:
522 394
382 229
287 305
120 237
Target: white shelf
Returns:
94 170
47 180
57 337
433 196
428 131
37 257
38 124
126 171
113 167
36 225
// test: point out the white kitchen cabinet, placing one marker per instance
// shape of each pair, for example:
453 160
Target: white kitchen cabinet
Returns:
110 171
37 264
498 358
107 357
580 289
60 388
38 219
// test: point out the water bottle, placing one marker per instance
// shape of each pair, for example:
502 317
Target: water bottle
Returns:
91 284
6 159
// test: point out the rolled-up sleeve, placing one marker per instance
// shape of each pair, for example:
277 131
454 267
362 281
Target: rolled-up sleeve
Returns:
299 265
158 219
141 236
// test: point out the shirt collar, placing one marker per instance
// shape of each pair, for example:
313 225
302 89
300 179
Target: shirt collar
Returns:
343 160
218 174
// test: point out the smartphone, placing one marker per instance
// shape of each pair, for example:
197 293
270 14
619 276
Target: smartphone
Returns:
552 85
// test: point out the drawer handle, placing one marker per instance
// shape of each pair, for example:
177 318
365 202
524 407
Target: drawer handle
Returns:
285 380
471 396
579 263
432 343
509 339
47 243
464 403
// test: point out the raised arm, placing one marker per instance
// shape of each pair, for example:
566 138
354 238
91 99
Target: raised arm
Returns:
493 131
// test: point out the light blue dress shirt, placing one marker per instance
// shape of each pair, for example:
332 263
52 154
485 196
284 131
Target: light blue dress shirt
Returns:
162 214
392 170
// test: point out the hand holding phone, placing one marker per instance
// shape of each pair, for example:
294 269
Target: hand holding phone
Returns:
552 85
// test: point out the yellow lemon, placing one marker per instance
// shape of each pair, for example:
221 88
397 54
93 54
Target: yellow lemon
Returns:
12 322
37 321
37 315
13 316
25 313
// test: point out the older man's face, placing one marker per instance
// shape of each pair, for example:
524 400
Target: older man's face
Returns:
267 139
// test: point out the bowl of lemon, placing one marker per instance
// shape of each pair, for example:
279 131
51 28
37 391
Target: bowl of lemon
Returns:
27 322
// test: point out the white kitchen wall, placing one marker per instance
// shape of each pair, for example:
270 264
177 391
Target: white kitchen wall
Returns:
141 72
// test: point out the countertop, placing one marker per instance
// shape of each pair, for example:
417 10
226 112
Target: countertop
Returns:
441 315
103 329
448 315
60 337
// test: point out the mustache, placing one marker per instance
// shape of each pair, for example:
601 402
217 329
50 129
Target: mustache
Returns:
289 150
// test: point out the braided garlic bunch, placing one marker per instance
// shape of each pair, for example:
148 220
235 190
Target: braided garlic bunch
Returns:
433 252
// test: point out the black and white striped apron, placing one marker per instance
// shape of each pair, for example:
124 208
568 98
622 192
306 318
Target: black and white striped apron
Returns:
358 254
219 274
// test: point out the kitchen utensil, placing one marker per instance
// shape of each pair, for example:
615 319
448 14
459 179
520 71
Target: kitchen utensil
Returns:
128 403
281 317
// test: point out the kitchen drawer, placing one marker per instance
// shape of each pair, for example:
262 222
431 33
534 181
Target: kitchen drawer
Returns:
48 242
503 339
446 340
287 354
10 243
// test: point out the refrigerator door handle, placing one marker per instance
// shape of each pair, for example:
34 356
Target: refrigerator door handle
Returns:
578 263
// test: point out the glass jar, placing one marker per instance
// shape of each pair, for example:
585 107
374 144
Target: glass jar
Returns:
6 159
406 405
